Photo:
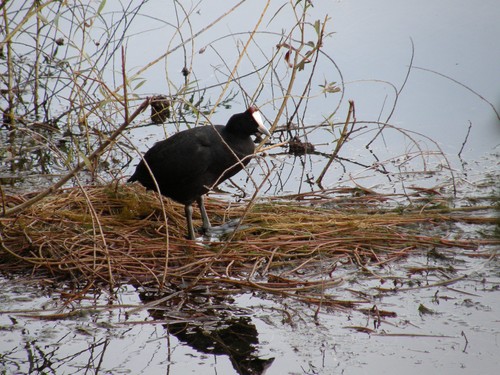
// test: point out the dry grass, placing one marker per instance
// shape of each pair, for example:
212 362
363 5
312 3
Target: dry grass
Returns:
116 234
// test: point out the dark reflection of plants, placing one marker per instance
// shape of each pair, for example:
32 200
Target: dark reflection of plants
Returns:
214 328
37 358
41 361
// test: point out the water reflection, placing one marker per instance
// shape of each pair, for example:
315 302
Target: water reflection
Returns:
24 155
32 157
216 331
235 337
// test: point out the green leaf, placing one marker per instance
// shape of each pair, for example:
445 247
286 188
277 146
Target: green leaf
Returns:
317 26
42 18
142 82
86 161
329 88
101 6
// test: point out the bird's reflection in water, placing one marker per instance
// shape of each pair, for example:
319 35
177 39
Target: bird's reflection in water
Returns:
234 336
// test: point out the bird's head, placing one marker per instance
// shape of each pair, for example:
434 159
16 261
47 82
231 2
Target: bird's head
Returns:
257 119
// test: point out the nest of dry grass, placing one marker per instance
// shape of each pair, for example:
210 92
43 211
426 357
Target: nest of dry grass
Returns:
118 234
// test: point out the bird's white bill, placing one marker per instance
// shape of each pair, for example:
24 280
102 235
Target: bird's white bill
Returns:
258 119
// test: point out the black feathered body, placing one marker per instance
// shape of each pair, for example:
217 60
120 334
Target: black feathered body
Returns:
189 163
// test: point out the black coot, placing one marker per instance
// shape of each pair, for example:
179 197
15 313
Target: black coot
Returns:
190 163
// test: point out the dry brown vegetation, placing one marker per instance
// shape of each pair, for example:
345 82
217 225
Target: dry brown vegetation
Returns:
115 234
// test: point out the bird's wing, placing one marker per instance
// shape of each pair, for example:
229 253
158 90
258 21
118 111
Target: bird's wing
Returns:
181 156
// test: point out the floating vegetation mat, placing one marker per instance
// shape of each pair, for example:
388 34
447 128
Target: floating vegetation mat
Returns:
292 246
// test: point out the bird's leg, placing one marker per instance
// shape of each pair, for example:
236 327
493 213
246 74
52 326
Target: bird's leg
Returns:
188 211
204 216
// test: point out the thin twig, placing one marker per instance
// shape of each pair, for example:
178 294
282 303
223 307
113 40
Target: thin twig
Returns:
340 141
465 140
